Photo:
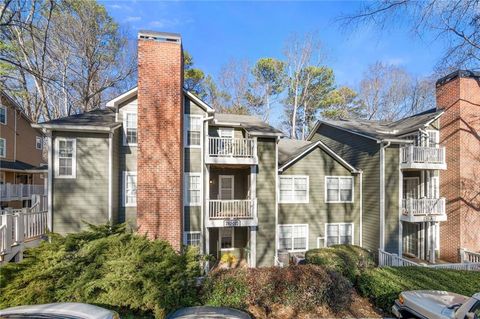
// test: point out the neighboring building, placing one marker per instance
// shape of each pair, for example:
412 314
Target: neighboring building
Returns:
22 170
458 95
401 161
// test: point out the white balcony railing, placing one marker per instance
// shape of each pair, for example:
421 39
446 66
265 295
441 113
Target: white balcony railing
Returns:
231 147
423 155
433 208
231 209
19 191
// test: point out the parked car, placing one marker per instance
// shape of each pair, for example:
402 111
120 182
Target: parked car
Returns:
66 310
208 312
430 304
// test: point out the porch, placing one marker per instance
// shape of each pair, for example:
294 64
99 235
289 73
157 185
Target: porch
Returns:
422 157
11 192
423 210
232 247
231 150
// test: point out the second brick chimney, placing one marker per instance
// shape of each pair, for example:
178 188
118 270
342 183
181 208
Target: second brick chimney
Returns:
458 94
160 136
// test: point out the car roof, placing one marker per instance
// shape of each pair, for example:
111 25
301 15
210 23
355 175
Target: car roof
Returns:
71 309
208 312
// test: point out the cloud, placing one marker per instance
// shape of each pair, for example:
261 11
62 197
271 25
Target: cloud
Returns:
132 19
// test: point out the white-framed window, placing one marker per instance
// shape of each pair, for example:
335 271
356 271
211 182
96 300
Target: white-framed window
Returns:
339 233
129 189
3 114
433 138
226 235
226 132
338 189
65 158
3 147
193 189
293 237
192 238
38 142
193 131
130 128
294 189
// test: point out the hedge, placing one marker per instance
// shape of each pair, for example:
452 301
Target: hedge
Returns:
383 285
301 287
349 260
107 266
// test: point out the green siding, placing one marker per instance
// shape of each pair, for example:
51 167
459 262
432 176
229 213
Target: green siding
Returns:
127 162
192 159
116 178
84 198
318 164
266 194
392 179
192 218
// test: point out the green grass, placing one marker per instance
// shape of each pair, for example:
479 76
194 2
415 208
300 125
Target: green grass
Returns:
382 285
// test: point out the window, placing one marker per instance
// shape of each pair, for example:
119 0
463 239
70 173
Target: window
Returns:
193 186
192 238
130 188
339 189
193 131
433 138
293 237
38 143
294 189
341 233
3 147
3 114
226 238
226 132
65 159
130 128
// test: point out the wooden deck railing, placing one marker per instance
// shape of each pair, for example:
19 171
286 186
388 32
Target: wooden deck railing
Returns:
231 147
10 192
425 155
236 208
423 206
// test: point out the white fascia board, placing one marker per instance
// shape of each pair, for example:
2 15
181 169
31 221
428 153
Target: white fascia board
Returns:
434 119
395 141
123 97
198 101
77 128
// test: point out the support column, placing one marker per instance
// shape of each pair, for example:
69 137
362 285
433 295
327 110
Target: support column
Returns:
253 246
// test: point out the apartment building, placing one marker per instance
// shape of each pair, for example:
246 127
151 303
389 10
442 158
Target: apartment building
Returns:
22 166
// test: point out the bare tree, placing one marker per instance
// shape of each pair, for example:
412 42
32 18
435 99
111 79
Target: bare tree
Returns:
234 81
456 22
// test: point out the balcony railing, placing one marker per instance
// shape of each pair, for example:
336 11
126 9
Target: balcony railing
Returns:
231 150
423 157
423 209
242 212
10 192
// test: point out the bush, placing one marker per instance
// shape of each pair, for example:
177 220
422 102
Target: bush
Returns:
347 259
301 287
107 266
382 285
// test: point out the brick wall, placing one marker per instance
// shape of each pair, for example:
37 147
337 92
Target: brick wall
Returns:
460 183
160 137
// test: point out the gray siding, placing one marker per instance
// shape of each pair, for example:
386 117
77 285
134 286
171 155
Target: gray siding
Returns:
318 164
392 179
266 194
127 162
84 198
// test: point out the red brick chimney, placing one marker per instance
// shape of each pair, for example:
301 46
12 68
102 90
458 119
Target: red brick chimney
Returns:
459 95
160 136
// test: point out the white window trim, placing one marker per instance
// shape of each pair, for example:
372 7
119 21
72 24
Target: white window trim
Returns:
185 236
291 225
6 114
124 189
223 129
125 128
186 176
4 154
233 239
74 158
326 234
36 142
220 177
186 127
339 201
293 201
437 136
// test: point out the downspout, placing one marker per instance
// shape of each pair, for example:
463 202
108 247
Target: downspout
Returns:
382 193
205 236
361 210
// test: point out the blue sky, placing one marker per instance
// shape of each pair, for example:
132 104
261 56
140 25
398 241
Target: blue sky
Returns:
216 32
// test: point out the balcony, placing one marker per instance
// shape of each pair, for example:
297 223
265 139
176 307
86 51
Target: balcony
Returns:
418 157
234 212
225 150
416 210
10 192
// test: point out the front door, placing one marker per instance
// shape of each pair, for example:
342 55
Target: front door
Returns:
225 187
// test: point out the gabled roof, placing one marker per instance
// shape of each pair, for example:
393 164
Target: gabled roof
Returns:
290 151
383 130
95 120
253 125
